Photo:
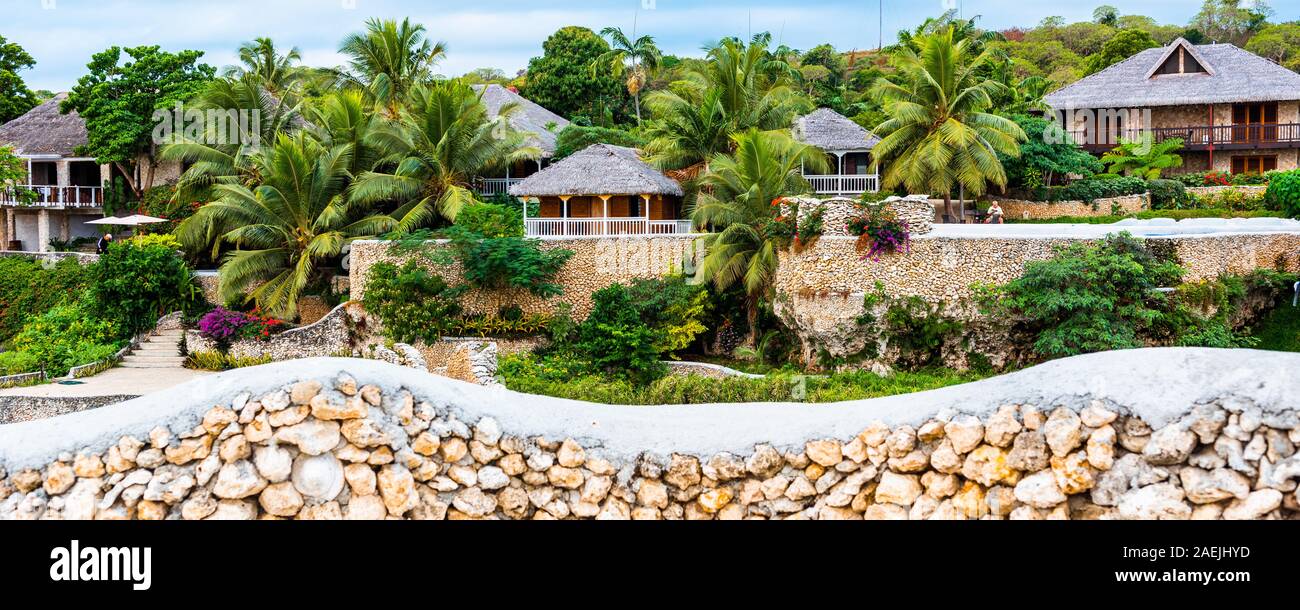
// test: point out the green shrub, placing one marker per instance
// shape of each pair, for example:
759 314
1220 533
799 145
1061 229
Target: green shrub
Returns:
30 288
1091 189
411 302
491 220
135 284
1232 199
614 339
672 306
1167 194
1284 192
508 263
67 336
919 329
564 378
17 363
1091 296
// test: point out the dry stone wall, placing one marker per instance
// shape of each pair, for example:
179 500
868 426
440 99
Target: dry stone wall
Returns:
1144 434
1041 210
596 263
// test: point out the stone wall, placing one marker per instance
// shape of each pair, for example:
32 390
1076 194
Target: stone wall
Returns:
820 290
1041 210
942 268
596 263
1141 434
329 336
1250 191
915 210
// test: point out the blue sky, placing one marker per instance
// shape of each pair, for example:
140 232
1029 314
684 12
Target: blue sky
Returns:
62 34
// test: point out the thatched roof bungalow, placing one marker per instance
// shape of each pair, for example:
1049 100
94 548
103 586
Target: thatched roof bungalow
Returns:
541 126
602 190
848 148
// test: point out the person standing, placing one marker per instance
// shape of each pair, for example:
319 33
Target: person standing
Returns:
101 247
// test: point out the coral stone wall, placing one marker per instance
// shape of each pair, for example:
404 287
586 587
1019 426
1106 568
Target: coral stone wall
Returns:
943 268
1038 210
596 263
285 443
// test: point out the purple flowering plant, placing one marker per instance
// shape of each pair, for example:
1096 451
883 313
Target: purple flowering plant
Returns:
880 232
223 326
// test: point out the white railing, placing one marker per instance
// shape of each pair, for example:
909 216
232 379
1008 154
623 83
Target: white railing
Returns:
58 196
597 227
496 186
844 184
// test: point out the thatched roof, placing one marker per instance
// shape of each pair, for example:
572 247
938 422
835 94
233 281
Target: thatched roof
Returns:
529 117
44 131
1231 75
599 169
833 132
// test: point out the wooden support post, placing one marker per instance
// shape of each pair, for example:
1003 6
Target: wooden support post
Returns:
604 199
564 214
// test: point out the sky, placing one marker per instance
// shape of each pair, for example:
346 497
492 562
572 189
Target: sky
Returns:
62 34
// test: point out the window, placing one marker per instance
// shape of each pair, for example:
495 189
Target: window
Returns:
1181 62
1254 164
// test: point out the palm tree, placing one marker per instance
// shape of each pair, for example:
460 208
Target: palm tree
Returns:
643 54
739 199
443 140
389 59
282 228
230 158
938 136
740 87
1144 157
277 73
343 118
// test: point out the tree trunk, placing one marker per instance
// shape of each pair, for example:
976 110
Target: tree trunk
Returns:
128 175
947 208
636 101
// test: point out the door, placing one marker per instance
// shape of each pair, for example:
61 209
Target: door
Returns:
1254 123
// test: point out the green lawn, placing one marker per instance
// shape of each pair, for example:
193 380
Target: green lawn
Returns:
1280 330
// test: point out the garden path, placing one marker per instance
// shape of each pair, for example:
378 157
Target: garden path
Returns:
113 382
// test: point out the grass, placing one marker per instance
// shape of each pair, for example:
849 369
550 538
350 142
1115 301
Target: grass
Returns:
1150 214
533 375
1280 330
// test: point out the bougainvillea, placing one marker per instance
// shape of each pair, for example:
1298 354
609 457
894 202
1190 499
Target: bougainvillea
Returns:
880 232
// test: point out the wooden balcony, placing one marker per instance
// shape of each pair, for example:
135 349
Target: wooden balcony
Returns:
604 227
843 184
50 196
1200 137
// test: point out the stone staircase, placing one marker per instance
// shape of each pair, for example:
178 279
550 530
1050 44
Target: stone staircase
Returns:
158 351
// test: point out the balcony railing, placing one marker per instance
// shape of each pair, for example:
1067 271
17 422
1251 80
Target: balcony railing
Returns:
58 196
490 187
604 227
1200 137
847 184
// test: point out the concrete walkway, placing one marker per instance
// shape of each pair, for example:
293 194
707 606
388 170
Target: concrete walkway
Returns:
113 382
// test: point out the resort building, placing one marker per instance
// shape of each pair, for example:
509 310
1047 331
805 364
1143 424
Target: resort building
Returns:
602 190
848 149
1234 111
541 125
68 189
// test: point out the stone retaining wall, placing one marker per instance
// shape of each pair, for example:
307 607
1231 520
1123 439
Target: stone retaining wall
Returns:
1142 434
1041 210
596 263
1250 191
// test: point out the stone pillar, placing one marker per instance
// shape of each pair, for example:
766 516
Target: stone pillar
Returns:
65 226
42 231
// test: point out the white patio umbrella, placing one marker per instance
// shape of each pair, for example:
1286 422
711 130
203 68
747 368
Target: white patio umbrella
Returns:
129 221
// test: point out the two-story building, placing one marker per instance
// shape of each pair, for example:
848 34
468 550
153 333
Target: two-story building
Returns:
541 126
848 152
68 188
1234 111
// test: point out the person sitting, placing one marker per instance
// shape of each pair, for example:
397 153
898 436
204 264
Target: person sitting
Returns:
994 215
101 247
